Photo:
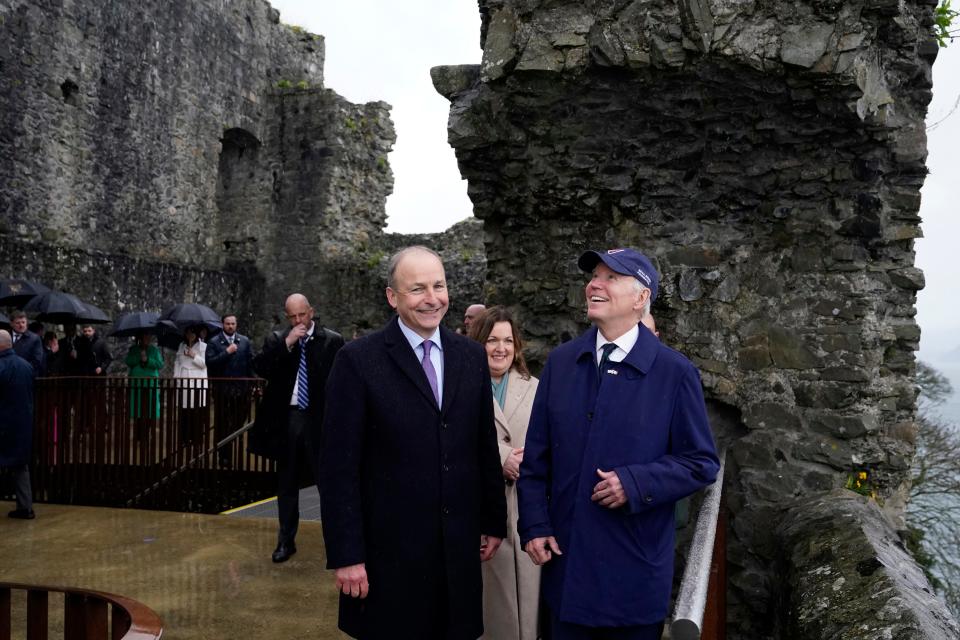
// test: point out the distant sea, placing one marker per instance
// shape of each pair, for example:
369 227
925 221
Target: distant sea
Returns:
949 410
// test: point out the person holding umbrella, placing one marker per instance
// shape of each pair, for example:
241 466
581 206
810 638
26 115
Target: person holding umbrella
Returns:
190 367
144 361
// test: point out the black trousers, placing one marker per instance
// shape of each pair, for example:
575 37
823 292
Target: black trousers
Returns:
293 465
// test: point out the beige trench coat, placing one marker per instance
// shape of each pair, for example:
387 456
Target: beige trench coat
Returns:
511 582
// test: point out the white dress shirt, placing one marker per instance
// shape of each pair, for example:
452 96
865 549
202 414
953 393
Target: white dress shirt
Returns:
436 352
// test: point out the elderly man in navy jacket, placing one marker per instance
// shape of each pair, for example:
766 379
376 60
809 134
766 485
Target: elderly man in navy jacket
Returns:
619 433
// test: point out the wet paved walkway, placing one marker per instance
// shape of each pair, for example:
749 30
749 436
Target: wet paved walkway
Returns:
208 577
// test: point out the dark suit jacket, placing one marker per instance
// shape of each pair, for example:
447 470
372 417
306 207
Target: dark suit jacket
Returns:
30 347
408 487
221 364
279 367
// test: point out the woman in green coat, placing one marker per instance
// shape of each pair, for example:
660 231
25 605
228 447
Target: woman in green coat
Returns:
144 361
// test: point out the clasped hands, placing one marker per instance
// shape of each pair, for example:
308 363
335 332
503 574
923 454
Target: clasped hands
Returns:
352 581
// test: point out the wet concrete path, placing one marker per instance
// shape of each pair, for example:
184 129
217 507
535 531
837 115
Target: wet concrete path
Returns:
208 577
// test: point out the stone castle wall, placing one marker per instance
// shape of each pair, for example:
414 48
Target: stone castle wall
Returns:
199 138
768 157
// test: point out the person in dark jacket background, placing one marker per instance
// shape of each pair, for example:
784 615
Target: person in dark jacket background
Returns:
295 363
26 344
16 423
93 354
229 355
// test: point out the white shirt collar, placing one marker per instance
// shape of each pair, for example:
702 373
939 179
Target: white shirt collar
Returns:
624 343
415 339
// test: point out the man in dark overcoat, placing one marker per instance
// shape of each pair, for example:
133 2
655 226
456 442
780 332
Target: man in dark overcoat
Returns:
16 423
26 343
295 363
229 355
412 496
617 435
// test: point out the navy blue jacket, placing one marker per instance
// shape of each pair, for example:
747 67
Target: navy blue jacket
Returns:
16 409
30 347
221 364
647 422
408 487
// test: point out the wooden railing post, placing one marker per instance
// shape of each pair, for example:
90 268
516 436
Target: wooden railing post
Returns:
5 613
37 614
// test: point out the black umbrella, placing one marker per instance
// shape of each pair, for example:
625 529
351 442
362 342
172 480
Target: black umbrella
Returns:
169 335
4 321
192 315
93 315
57 306
16 292
133 324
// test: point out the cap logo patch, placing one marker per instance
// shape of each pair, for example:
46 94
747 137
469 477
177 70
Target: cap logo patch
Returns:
613 251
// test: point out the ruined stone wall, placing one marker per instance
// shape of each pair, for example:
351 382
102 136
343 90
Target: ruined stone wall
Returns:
194 134
111 115
768 157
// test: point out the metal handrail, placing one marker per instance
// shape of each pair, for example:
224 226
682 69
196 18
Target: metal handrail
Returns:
692 601
86 615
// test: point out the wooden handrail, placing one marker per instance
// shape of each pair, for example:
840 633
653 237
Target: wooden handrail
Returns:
86 614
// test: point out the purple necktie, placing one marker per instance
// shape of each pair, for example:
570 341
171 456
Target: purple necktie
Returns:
429 370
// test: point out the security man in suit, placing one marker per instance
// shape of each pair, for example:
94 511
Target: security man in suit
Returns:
27 344
295 363
229 355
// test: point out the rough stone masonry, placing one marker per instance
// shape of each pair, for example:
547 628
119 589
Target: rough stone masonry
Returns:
155 152
769 157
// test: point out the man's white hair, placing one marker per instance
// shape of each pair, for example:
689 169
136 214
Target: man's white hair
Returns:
640 288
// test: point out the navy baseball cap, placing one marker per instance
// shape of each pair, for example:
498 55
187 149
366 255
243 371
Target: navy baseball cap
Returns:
629 262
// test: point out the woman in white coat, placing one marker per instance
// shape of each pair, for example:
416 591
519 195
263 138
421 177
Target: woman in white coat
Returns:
190 367
511 582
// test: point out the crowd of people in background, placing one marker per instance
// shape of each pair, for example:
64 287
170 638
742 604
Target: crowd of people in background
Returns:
461 496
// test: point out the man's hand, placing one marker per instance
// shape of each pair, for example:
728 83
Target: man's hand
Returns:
232 348
295 334
541 550
352 580
488 546
511 467
609 492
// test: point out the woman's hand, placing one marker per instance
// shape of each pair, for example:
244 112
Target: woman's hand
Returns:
511 467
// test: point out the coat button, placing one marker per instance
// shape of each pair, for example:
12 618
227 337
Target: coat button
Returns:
443 425
446 511
446 467
506 438
647 499
590 416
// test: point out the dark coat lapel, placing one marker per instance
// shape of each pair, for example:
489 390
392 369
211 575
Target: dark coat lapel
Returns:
453 363
405 358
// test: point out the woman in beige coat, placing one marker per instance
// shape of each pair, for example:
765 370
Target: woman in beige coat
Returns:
511 582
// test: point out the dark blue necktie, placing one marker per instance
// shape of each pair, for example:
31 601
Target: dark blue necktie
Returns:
303 400
605 358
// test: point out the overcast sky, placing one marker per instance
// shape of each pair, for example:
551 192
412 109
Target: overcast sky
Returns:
383 50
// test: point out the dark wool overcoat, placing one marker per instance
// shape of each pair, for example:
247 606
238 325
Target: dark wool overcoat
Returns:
221 364
16 409
647 422
408 487
279 366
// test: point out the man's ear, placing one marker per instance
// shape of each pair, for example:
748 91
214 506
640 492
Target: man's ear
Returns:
642 298
392 297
